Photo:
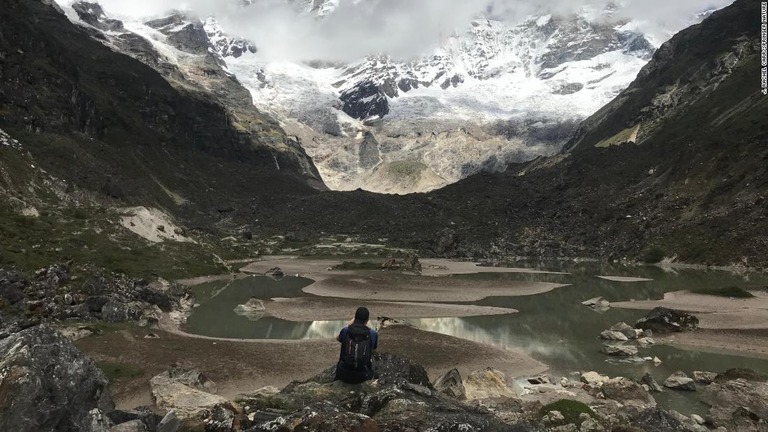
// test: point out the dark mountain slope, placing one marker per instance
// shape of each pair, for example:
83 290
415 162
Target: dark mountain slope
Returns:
691 187
675 166
107 122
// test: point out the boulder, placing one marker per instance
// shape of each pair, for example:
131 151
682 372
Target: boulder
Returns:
652 384
644 342
627 330
143 414
185 392
663 320
613 336
680 381
726 398
594 379
487 383
705 378
254 309
169 423
392 369
46 384
620 350
656 420
627 392
450 384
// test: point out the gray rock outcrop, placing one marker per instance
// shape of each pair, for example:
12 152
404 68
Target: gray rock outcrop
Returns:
46 384
628 393
450 384
189 394
620 350
680 381
737 404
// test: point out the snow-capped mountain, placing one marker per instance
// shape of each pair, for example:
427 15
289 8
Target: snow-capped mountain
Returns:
492 93
488 95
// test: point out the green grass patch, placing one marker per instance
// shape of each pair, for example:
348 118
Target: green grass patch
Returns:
352 265
120 371
729 291
570 409
618 139
406 168
89 235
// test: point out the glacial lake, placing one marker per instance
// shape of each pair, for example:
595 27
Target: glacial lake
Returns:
553 327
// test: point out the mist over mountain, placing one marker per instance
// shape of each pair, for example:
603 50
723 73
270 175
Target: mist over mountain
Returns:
403 29
404 97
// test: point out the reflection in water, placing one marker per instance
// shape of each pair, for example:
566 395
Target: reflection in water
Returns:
553 327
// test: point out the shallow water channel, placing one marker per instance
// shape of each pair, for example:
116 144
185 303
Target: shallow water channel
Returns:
553 327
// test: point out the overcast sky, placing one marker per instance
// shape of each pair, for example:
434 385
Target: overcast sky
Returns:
402 28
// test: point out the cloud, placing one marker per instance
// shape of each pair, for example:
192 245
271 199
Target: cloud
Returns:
401 28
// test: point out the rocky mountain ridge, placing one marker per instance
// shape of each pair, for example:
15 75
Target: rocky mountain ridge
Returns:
688 185
494 93
692 190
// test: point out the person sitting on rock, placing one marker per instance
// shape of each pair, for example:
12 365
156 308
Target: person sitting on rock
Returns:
357 343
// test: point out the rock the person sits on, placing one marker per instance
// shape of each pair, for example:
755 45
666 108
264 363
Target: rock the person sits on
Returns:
357 343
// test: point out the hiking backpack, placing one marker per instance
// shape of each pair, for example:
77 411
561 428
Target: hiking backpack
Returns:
357 347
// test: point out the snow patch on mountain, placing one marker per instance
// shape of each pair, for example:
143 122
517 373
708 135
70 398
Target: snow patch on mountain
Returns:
6 140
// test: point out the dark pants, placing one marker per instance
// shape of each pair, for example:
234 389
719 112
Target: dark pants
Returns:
353 376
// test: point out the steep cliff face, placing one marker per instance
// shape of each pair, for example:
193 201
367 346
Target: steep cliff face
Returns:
684 74
108 123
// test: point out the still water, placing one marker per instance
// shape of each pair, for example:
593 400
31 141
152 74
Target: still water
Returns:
553 327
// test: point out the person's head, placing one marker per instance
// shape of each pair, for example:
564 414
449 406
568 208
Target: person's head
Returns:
362 315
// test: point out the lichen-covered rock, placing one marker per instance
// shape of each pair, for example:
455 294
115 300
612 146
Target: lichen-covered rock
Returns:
46 384
187 393
487 383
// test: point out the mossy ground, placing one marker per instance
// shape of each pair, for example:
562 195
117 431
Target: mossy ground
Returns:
570 409
117 371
